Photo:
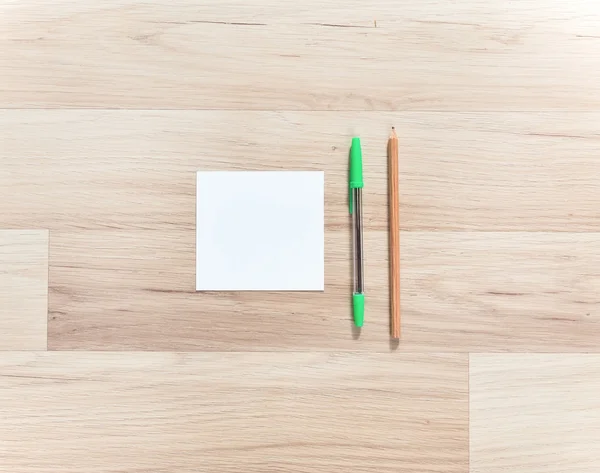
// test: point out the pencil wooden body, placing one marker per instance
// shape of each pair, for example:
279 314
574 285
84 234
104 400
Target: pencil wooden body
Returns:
394 226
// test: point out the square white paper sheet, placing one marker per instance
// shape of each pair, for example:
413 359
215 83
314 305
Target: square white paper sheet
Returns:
260 231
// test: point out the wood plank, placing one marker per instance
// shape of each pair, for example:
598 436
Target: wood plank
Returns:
534 413
458 171
495 291
501 291
164 412
326 55
23 289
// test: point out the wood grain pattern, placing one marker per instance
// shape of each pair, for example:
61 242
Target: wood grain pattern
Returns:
495 291
459 171
497 105
116 188
23 289
501 291
321 55
535 413
219 412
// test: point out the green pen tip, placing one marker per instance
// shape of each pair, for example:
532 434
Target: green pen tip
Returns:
358 308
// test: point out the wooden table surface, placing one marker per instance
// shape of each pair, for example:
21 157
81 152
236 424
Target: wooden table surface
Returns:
112 363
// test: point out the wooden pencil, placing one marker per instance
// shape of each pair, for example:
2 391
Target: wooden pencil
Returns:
394 225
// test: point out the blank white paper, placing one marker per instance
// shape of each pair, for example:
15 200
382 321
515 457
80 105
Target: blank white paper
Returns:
260 231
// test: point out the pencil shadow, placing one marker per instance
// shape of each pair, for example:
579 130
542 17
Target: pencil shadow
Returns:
394 344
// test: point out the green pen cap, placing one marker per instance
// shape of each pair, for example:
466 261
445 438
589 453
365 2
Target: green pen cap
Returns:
356 166
356 169
358 309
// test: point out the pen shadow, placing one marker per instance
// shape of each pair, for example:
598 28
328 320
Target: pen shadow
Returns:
355 331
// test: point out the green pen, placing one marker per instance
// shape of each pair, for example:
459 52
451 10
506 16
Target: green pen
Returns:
355 193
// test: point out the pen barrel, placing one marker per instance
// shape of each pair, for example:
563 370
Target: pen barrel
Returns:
357 242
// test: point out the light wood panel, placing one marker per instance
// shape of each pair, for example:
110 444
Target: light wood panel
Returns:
23 289
324 55
501 291
458 171
86 412
534 413
495 291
